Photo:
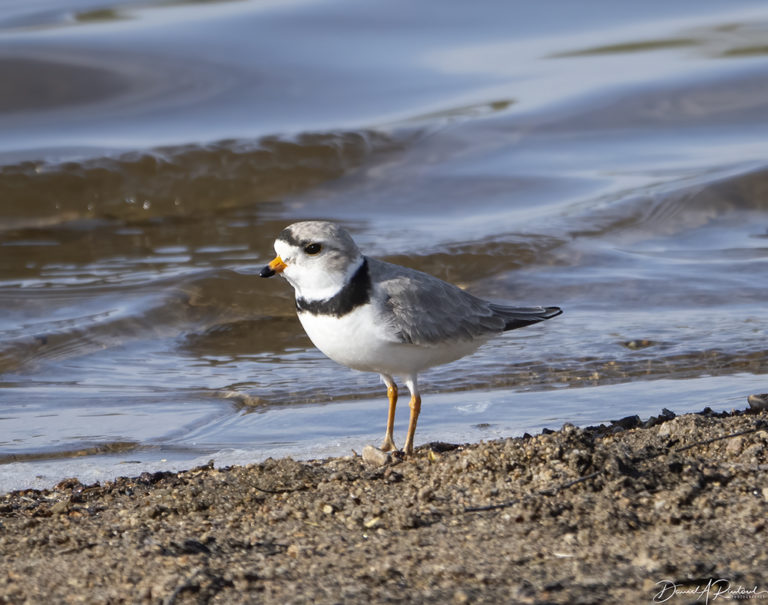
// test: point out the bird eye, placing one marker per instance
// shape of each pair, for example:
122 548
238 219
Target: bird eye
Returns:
312 248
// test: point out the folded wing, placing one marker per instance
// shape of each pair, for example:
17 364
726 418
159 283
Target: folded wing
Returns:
424 310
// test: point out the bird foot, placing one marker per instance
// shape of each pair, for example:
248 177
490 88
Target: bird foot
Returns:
388 445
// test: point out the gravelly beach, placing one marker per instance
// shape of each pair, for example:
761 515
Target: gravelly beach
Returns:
612 513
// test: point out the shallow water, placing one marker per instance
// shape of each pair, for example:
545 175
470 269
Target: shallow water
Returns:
612 160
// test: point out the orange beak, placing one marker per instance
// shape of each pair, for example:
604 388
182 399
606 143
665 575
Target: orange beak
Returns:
275 266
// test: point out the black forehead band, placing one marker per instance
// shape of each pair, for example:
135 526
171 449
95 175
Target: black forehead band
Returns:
288 237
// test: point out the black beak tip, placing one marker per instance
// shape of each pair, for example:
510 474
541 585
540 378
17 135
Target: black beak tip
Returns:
266 272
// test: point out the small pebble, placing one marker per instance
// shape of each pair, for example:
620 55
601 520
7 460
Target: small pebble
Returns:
375 456
734 445
758 402
640 343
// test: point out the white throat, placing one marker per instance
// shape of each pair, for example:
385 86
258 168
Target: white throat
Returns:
314 281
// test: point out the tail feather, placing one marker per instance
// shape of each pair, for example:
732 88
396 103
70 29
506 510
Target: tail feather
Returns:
518 317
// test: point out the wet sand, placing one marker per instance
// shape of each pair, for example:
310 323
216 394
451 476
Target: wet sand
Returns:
610 513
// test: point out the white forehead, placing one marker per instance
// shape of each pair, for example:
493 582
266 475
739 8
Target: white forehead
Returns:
284 249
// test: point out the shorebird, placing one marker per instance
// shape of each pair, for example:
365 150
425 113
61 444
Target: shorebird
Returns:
375 316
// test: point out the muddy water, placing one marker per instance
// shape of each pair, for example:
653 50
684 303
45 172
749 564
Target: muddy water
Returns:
609 159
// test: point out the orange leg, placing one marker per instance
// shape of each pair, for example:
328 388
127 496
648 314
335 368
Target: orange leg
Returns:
388 444
415 405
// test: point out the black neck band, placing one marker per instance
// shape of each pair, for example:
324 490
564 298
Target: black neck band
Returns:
355 293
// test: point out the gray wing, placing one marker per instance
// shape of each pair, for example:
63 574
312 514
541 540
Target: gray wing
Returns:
424 310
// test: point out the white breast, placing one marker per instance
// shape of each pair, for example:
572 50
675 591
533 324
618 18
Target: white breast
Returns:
361 341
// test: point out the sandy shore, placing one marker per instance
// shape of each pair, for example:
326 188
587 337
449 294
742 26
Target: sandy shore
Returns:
622 513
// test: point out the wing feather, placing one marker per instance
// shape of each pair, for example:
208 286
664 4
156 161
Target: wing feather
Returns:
424 310
421 309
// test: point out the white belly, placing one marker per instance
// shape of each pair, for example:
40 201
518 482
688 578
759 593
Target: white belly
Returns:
359 341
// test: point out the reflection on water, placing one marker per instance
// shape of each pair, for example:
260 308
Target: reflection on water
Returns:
152 151
189 183
54 85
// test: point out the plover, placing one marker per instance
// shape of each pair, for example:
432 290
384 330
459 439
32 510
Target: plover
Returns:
375 316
